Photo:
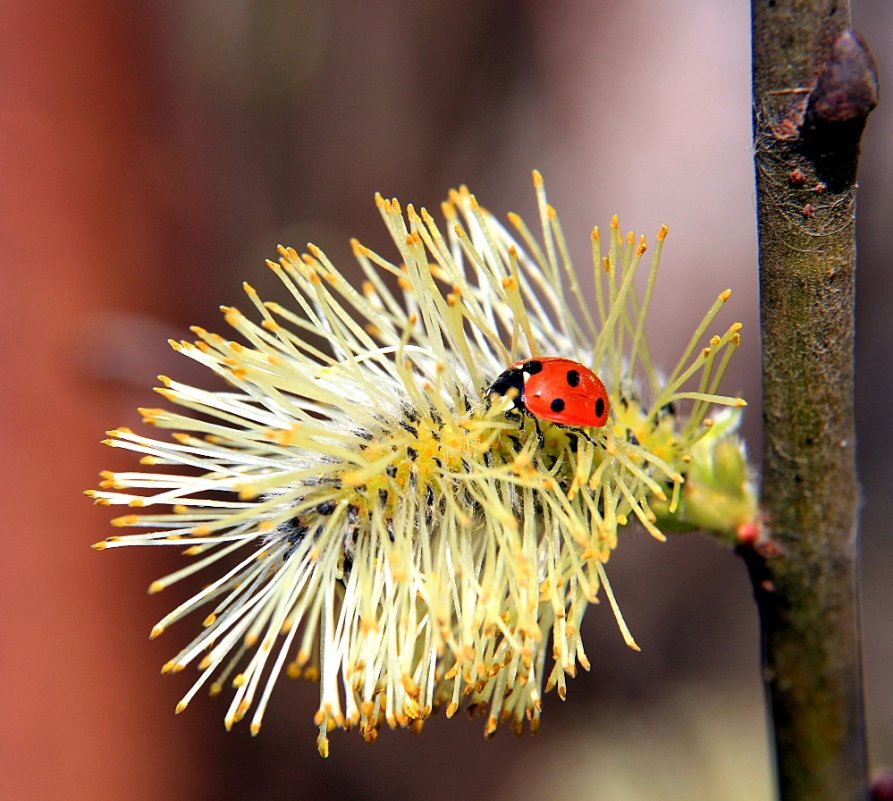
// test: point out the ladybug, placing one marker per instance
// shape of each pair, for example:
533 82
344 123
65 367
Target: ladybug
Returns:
558 390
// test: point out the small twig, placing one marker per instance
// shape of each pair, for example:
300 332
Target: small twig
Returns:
804 573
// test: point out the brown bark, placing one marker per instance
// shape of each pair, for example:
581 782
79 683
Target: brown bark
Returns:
813 86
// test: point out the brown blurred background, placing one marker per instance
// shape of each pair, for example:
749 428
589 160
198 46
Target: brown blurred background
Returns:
153 154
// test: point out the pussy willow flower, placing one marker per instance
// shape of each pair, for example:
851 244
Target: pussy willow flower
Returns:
364 515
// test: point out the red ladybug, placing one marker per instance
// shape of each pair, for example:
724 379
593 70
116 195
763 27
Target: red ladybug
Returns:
559 390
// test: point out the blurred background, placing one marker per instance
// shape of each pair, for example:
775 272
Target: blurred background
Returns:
153 154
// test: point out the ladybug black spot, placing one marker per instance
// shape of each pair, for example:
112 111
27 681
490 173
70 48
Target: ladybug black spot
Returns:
557 405
532 367
573 378
599 407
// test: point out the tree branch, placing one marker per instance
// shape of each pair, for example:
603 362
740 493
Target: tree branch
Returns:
813 87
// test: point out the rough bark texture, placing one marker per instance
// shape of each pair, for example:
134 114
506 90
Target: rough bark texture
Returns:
813 86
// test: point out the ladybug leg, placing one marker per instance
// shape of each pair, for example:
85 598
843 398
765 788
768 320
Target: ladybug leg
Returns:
541 440
581 433
516 417
578 434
